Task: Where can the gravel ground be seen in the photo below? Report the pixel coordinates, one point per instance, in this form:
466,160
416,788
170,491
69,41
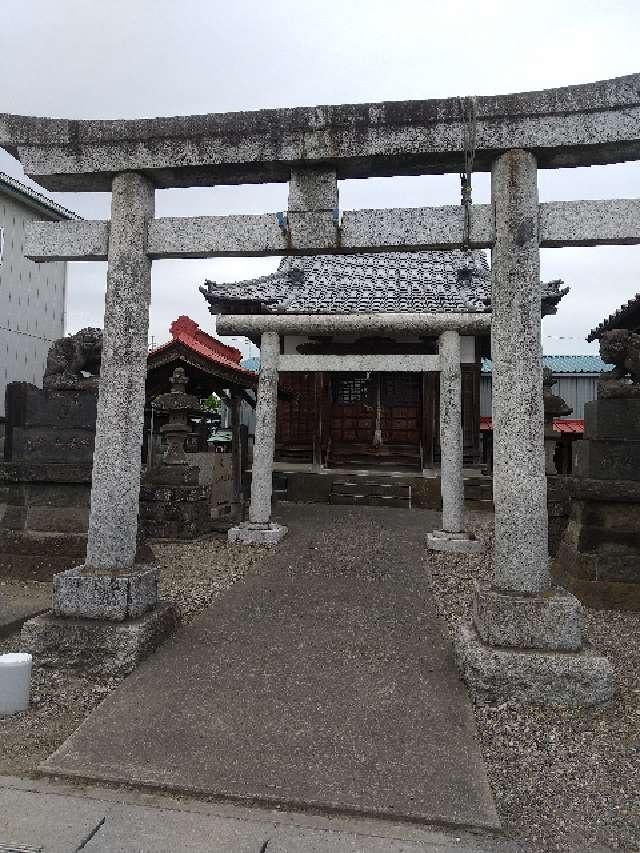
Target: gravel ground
563,779
192,575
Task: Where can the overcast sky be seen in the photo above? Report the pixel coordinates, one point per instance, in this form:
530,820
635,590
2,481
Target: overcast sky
134,58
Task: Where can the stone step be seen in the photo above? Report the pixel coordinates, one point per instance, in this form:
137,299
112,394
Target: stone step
478,489
370,462
368,487
338,499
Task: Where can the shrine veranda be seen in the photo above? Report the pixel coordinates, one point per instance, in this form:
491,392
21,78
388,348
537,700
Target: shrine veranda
526,639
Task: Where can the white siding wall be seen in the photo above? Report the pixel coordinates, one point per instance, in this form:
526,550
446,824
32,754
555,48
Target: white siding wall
576,390
32,301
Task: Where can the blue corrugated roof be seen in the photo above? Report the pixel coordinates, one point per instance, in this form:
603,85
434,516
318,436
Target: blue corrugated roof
251,364
566,364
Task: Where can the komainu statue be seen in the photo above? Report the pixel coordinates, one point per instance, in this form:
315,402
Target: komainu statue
621,348
73,363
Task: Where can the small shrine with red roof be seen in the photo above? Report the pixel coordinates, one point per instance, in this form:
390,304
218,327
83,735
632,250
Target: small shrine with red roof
210,365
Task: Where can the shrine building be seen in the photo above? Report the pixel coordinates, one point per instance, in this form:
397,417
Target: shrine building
343,417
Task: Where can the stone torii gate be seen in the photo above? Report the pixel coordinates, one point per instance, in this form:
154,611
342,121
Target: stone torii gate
448,326
526,639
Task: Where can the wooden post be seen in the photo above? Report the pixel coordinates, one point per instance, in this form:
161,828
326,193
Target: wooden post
428,404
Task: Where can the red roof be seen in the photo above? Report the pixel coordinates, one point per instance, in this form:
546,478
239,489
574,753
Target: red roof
186,331
573,425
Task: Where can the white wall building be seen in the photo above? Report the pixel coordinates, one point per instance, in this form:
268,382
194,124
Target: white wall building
32,296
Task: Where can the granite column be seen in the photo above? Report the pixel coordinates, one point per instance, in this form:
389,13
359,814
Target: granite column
452,537
115,491
236,456
106,613
259,529
525,643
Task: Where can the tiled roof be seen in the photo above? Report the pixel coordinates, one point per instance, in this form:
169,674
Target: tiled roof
626,317
366,284
565,364
33,197
186,331
568,425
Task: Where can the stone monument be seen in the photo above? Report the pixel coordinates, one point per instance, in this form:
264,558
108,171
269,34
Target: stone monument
173,504
46,472
599,556
558,501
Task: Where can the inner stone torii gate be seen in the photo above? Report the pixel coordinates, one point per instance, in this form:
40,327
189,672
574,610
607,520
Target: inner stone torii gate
526,639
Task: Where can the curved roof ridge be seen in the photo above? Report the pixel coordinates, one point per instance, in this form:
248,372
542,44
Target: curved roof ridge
366,283
620,317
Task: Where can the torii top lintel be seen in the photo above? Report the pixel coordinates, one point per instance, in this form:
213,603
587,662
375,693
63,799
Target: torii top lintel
571,126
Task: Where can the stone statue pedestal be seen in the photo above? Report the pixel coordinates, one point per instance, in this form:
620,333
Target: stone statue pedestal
46,475
599,556
173,504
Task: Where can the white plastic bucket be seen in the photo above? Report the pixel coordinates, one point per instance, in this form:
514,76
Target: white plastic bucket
15,682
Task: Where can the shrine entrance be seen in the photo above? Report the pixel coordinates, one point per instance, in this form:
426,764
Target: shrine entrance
376,420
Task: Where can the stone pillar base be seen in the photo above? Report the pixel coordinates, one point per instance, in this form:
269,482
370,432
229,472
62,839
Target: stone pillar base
460,543
532,676
101,647
112,596
549,622
252,533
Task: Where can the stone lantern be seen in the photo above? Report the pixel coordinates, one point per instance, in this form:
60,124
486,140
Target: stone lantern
174,504
179,406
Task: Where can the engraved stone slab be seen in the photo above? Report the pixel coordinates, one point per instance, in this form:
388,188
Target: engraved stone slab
105,596
617,419
607,459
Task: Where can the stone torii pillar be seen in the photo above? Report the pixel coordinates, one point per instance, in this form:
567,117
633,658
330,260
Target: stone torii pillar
260,530
115,487
520,618
115,599
453,536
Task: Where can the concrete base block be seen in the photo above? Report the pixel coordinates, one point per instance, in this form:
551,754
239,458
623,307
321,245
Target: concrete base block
100,647
249,533
550,622
459,543
532,677
105,596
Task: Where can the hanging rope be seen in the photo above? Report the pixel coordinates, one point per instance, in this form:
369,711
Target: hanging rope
468,109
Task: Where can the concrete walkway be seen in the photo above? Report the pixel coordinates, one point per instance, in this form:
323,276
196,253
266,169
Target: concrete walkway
55,818
322,682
